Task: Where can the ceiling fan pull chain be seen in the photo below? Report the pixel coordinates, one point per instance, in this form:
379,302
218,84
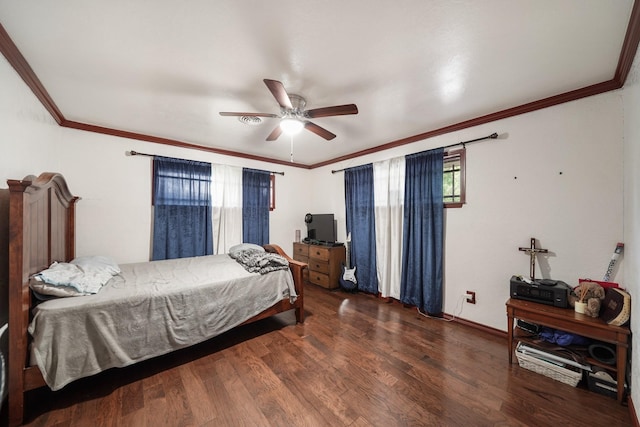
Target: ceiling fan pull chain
291,155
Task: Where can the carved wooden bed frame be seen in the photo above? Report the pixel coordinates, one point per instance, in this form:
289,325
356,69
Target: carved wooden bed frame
42,230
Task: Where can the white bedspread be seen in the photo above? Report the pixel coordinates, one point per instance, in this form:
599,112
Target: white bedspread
149,309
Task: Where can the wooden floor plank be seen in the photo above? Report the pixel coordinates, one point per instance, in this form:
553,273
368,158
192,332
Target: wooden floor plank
356,361
196,394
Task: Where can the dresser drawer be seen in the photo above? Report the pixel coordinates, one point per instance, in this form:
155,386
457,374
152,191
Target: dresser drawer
319,279
320,253
318,266
301,258
300,249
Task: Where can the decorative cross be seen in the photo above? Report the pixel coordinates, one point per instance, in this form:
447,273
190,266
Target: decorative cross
532,251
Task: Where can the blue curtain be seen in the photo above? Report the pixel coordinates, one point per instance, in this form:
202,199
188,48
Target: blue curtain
182,208
421,282
360,215
256,197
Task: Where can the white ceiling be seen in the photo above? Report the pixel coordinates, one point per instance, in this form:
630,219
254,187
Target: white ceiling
166,68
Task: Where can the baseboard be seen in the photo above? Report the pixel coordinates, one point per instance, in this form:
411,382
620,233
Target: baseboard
479,326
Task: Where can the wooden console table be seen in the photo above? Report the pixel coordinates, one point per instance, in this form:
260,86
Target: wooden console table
568,320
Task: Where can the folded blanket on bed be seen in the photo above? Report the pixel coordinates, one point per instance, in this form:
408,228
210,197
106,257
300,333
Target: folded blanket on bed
255,261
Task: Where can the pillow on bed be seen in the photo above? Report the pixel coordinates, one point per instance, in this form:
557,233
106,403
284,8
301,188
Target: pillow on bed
86,281
245,247
43,290
97,262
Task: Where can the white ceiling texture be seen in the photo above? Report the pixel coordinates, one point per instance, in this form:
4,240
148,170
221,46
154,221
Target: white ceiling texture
162,70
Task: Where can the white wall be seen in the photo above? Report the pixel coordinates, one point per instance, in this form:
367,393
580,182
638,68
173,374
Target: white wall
568,194
632,209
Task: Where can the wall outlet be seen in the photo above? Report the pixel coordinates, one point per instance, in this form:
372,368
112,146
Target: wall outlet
471,297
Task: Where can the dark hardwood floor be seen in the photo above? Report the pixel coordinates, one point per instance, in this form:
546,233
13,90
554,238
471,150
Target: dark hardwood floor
356,361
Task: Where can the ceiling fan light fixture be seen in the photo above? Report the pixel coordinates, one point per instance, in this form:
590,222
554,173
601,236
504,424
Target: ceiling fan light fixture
291,126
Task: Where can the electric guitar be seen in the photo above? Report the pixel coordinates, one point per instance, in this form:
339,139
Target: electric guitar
347,279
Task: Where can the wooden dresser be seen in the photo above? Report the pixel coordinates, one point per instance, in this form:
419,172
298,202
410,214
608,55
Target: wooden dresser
325,263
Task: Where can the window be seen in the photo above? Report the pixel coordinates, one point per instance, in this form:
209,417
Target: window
182,208
453,180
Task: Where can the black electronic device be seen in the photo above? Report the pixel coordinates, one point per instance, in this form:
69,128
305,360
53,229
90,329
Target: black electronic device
545,291
321,229
532,328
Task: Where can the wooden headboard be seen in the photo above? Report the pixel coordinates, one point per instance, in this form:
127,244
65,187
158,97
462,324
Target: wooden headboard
41,230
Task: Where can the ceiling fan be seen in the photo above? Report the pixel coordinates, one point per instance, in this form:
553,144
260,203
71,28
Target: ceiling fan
293,116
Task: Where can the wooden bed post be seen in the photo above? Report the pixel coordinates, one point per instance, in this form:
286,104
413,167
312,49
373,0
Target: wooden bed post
41,230
17,327
297,269
298,278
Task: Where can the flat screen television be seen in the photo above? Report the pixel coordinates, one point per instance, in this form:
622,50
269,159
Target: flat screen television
321,228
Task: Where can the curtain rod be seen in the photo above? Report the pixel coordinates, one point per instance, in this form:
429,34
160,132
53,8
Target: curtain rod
137,153
492,136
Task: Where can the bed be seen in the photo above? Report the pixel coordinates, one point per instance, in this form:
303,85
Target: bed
42,231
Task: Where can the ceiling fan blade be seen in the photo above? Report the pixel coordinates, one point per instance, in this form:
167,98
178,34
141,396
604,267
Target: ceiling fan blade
320,131
275,133
338,110
226,113
279,93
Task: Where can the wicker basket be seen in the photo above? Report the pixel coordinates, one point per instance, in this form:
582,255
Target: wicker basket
558,373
